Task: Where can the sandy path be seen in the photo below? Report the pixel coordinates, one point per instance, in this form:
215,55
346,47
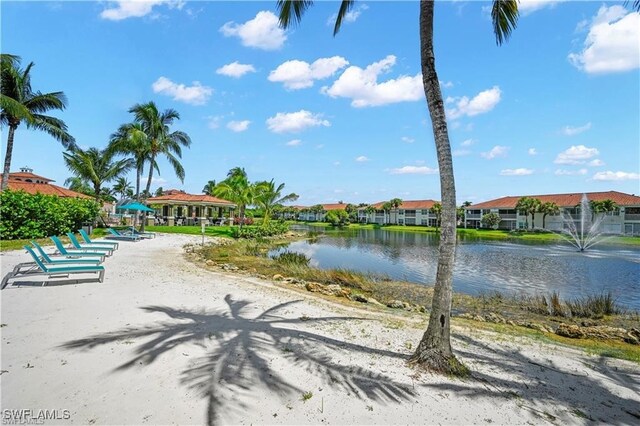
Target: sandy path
162,341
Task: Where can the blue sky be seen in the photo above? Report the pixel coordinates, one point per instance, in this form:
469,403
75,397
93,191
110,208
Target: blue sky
554,110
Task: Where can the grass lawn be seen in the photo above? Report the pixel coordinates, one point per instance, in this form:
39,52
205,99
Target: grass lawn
8,245
213,231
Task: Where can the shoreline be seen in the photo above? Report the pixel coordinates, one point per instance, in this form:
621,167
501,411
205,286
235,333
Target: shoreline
164,341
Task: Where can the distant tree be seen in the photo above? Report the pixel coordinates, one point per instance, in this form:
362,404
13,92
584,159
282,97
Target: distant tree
548,208
268,196
528,206
337,217
209,187
369,210
20,103
491,220
352,212
159,192
395,204
387,207
131,140
316,209
122,187
237,189
96,166
437,210
602,206
79,184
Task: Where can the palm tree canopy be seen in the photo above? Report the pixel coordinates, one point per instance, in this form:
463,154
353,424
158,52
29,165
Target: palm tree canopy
96,166
20,103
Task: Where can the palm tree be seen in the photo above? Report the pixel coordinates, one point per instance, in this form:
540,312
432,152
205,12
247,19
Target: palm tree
96,167
386,207
131,139
548,208
237,189
267,196
368,211
209,187
528,206
122,187
160,140
437,210
434,350
395,204
20,103
79,184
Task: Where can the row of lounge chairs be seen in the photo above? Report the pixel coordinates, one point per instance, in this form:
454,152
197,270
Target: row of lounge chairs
81,258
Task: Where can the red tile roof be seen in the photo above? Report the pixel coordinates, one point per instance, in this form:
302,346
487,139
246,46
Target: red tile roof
335,206
27,175
562,200
45,189
175,196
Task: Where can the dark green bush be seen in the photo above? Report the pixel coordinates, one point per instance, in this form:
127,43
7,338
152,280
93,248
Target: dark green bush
256,232
24,215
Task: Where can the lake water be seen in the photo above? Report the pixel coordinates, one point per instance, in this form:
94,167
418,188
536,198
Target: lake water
483,266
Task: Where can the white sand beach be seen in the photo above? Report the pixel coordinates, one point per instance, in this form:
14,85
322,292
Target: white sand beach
163,341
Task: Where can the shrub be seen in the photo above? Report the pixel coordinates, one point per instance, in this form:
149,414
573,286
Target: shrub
337,217
292,258
593,306
26,215
262,231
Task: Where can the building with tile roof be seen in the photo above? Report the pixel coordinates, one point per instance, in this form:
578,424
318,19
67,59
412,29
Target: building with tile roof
178,207
625,220
410,212
25,180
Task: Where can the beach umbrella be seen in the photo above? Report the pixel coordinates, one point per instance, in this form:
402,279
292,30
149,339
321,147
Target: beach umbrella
137,207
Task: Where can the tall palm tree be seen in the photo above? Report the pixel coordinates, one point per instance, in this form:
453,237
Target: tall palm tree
122,187
209,187
160,139
395,204
268,197
386,207
20,103
368,211
131,140
434,350
528,206
237,189
437,210
96,167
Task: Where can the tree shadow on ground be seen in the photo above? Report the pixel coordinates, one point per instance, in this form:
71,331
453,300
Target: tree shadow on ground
551,391
240,351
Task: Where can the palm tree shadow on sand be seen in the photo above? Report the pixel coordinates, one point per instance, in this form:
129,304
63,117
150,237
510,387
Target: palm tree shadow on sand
240,350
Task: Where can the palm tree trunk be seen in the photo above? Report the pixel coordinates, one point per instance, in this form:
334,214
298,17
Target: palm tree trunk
434,350
7,159
153,159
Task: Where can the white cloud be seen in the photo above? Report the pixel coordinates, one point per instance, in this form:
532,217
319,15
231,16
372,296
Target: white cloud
526,7
579,154
407,139
300,74
214,121
294,142
572,131
516,172
467,142
194,95
235,69
562,172
120,10
595,163
295,121
361,85
460,152
616,176
158,180
413,170
532,151
483,102
611,44
446,84
238,126
349,17
496,151
362,159
262,32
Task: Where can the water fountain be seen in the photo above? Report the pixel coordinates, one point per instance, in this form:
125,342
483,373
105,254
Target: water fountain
587,231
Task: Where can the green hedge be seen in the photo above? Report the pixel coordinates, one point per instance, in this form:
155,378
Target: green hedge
24,215
268,230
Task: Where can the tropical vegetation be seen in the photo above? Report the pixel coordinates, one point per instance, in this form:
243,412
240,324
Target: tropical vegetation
20,103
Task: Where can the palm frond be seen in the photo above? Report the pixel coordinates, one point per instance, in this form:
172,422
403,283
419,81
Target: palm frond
12,108
177,167
504,16
291,11
53,126
345,7
43,102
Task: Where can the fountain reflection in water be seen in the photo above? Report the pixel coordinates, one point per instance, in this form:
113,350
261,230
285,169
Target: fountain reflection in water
585,232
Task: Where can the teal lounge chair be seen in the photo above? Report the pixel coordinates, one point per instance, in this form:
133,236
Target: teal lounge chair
134,231
40,268
87,240
115,235
66,260
74,252
75,243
